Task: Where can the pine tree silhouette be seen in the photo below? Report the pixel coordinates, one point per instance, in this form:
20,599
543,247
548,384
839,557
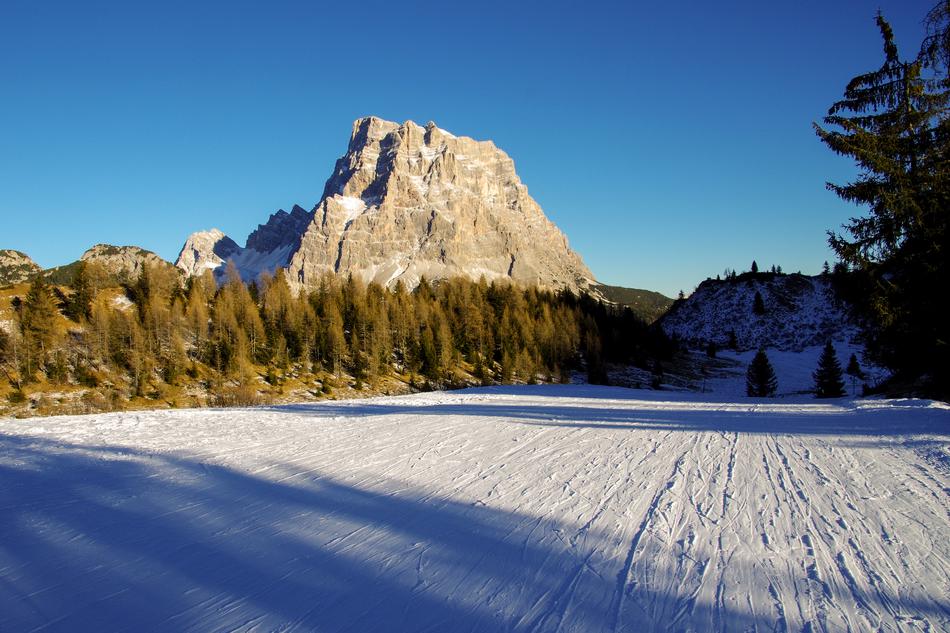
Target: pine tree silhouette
854,370
760,380
828,380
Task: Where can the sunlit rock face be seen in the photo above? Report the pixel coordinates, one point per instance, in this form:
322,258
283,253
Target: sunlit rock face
16,267
406,202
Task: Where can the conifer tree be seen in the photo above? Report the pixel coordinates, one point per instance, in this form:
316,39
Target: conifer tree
37,324
935,49
755,267
893,122
758,306
828,380
10,358
227,337
733,342
79,303
760,380
854,370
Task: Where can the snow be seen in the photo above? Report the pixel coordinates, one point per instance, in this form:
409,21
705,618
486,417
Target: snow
430,153
800,312
211,263
122,302
353,207
420,184
569,508
794,370
251,263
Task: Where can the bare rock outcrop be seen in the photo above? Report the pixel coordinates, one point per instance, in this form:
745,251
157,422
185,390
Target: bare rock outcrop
123,262
16,267
205,250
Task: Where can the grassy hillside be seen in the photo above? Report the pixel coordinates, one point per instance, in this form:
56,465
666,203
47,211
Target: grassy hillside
646,304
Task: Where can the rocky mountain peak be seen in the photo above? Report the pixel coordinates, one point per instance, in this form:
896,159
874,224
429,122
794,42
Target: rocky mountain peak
124,262
281,228
205,250
16,267
407,201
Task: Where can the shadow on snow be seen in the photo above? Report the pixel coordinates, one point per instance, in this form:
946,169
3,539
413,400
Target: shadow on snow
105,538
772,416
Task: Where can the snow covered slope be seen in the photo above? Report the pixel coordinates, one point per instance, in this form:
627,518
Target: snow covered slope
550,508
799,311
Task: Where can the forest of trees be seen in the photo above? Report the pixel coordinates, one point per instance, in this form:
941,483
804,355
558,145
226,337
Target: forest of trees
237,338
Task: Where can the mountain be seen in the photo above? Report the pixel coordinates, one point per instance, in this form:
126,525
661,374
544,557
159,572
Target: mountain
205,250
16,267
646,304
799,312
121,263
406,202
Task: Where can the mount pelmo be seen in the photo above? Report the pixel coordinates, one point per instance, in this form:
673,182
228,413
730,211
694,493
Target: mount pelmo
406,202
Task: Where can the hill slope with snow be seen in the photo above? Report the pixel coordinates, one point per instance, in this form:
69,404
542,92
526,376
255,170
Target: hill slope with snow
550,508
799,312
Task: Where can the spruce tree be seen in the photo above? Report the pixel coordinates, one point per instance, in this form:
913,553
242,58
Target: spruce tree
755,267
854,370
758,306
733,342
79,304
828,380
893,122
38,325
760,380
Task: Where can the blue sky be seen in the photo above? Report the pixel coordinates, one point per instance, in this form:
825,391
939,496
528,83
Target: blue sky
667,142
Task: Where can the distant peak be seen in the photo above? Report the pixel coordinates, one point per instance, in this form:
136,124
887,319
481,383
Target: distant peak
105,250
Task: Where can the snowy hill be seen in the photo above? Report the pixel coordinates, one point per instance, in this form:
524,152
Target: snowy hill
548,508
799,312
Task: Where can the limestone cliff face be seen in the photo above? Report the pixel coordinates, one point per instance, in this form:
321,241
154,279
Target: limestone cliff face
205,250
407,201
281,229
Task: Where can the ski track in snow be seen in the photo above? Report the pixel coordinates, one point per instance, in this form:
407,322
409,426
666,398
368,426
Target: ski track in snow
548,508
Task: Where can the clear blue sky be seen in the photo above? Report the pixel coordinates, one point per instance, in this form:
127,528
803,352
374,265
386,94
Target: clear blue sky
667,142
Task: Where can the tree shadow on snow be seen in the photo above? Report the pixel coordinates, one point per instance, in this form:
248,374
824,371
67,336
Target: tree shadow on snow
96,538
755,416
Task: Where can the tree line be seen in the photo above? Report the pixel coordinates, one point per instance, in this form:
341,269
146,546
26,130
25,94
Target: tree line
761,381
162,330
